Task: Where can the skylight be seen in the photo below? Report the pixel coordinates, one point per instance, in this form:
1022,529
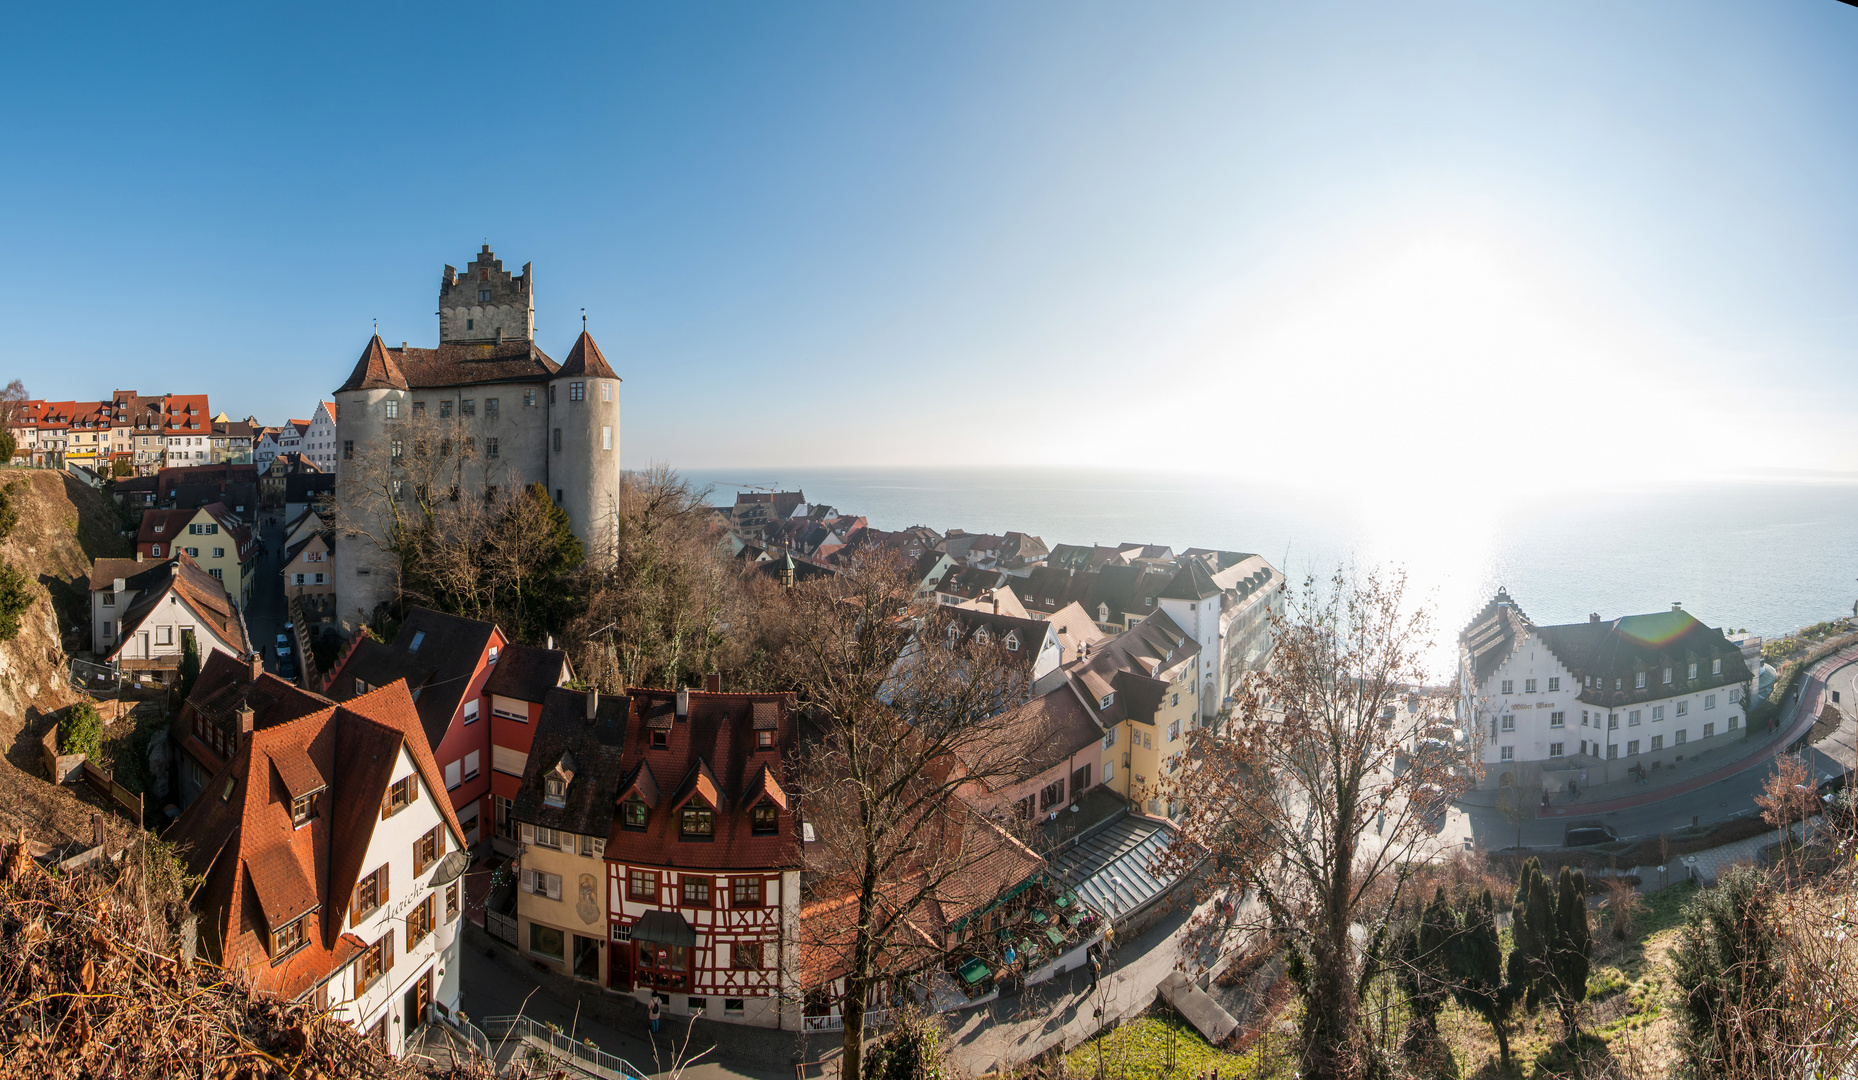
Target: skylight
418,636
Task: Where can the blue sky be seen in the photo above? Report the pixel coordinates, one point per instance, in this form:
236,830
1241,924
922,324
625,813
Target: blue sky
1345,241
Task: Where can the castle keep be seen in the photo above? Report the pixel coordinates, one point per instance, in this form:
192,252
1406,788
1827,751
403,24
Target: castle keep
488,385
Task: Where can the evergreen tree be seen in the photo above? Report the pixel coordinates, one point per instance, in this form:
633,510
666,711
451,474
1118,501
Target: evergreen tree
16,597
1475,956
1728,965
1422,965
190,664
1553,942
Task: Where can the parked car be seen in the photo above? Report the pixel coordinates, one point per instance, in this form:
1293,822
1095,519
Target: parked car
283,646
1591,832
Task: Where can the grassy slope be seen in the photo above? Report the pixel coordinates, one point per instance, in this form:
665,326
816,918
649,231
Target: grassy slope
1629,1014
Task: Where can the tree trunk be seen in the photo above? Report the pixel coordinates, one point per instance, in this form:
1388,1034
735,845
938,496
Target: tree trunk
1503,1044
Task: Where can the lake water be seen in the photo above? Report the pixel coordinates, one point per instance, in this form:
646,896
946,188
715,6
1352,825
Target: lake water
1768,557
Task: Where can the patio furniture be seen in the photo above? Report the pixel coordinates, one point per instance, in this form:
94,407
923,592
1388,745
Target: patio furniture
1039,918
1052,935
973,971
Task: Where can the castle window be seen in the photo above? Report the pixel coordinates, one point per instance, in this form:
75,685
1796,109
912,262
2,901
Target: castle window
551,395
606,438
393,410
419,409
348,449
470,324
528,397
557,446
483,296
490,408
577,391
490,448
445,409
606,391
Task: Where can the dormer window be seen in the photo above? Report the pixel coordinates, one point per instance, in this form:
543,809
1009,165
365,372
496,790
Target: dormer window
287,938
983,636
765,818
697,822
1012,642
1693,671
493,654
554,792
634,814
1103,613
764,740
661,737
304,808
1106,700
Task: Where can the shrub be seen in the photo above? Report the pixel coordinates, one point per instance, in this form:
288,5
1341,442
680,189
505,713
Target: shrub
911,1050
16,597
1728,966
80,730
9,507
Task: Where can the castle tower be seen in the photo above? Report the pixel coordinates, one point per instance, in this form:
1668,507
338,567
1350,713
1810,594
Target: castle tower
583,448
486,302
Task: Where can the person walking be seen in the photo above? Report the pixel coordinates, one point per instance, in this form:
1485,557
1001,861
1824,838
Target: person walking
651,1012
1096,970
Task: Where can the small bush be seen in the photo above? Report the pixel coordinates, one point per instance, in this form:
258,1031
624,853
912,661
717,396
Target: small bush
15,599
9,507
80,730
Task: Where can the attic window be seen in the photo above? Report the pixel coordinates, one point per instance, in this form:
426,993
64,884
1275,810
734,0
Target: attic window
305,807
286,939
1106,700
634,814
698,822
418,636
661,737
765,818
493,654
764,740
1012,643
554,791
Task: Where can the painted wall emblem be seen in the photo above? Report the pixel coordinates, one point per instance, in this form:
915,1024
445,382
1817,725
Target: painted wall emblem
586,908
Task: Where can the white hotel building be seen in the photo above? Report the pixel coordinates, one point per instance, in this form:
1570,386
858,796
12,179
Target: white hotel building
1594,702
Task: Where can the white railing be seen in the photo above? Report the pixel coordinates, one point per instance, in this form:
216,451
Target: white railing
873,1018
581,1053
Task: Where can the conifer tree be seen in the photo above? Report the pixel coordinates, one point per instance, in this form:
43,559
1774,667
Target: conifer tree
1423,966
1553,942
1476,963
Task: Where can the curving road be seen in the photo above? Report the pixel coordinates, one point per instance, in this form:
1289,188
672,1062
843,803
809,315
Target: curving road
1726,793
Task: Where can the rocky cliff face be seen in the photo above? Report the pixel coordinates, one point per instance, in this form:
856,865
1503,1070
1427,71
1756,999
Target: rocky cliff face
63,526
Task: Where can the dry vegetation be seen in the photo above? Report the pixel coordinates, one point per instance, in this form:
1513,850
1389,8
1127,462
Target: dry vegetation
92,987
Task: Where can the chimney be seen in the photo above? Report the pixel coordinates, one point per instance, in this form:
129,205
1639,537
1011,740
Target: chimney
996,602
1084,651
1594,617
245,725
683,702
138,554
1677,605
593,703
713,682
551,642
257,662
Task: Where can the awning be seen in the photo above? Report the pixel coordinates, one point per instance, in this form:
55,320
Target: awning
451,868
664,927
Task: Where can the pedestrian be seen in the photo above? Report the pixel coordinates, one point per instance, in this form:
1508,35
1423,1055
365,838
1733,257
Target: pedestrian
1096,970
651,1011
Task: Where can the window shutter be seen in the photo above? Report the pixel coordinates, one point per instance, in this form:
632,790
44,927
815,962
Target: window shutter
529,881
554,886
528,833
412,788
387,953
387,802
386,894
599,846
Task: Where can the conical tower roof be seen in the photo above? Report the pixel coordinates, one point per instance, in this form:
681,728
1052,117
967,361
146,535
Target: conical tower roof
376,370
586,361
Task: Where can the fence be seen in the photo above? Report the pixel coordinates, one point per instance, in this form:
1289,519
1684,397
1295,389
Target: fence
581,1054
500,926
105,784
874,1019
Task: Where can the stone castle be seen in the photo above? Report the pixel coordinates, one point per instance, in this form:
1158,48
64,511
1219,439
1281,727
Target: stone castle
527,419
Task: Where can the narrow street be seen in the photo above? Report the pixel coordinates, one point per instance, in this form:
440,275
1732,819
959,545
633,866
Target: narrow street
266,614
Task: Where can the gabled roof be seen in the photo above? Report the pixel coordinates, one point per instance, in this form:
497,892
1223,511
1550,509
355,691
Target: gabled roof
437,655
586,360
528,672
713,751
1490,637
596,746
161,526
1191,582
1621,648
203,594
451,364
261,871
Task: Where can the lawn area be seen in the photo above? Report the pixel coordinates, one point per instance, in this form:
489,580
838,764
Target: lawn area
1138,1050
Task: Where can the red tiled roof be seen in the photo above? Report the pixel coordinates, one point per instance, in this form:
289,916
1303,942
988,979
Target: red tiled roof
712,752
586,359
451,364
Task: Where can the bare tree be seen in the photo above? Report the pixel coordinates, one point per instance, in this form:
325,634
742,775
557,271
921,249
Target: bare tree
669,604
1311,802
1788,796
909,717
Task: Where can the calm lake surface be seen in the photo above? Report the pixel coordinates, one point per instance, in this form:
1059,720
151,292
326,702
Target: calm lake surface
1768,557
